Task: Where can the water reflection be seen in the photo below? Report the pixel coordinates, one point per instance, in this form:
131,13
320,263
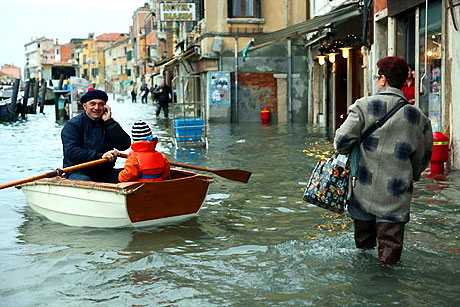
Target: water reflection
66,240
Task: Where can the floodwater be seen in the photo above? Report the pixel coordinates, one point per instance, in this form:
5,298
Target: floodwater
251,244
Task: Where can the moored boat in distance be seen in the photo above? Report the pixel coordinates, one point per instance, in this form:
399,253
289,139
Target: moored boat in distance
6,111
129,204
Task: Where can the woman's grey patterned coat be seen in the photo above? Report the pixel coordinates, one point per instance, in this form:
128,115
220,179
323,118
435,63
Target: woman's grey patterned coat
390,158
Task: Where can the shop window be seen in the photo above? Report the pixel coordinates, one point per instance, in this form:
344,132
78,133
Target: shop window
405,41
430,91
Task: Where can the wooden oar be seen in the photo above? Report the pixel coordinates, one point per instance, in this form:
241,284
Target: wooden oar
54,173
231,174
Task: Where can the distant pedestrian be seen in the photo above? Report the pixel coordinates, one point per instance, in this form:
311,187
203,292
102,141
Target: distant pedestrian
409,86
391,159
133,94
144,93
163,93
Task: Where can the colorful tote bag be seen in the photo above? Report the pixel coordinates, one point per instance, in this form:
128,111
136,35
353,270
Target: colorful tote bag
328,184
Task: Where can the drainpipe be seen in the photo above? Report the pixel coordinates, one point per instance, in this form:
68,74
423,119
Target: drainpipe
310,84
287,13
235,118
417,58
289,81
426,45
365,22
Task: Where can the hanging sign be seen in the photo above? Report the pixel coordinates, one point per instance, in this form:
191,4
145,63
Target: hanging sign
177,12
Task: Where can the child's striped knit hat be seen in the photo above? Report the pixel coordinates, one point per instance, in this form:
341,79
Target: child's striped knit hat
140,130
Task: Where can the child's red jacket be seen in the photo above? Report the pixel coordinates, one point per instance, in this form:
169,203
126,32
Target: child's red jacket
145,164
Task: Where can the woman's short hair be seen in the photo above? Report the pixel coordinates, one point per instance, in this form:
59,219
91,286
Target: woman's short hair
395,70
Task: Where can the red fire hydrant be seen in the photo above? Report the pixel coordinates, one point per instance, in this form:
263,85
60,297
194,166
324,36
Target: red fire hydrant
440,153
265,115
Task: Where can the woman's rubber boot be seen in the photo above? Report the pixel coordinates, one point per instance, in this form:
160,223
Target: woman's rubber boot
365,234
390,237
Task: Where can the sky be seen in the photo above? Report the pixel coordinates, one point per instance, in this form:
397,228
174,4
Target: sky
24,20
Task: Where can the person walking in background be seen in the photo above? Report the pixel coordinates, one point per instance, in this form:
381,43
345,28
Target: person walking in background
133,93
144,93
152,89
93,135
144,163
409,86
391,159
163,93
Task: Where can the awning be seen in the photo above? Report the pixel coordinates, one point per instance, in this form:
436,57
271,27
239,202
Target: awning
336,16
161,62
172,60
396,7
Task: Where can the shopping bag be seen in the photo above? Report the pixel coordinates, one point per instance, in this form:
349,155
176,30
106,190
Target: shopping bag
328,184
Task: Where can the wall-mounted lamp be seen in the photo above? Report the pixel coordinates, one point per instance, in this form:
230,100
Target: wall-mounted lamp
322,55
332,56
345,51
321,59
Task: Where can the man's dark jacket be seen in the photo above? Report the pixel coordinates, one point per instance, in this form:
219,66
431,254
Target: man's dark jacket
85,139
163,96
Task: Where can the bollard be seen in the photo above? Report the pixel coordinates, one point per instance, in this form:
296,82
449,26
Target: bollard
25,98
61,81
265,115
36,89
42,102
440,153
13,106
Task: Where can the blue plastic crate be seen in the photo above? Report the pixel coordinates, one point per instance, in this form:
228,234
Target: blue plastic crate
190,129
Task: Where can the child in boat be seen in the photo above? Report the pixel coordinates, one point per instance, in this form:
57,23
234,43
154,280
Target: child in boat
144,163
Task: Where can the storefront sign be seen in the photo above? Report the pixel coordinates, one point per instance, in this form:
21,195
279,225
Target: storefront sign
177,12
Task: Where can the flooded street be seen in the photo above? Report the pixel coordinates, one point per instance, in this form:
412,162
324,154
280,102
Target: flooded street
252,244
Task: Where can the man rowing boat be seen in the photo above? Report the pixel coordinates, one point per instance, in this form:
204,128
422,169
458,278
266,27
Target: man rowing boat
92,135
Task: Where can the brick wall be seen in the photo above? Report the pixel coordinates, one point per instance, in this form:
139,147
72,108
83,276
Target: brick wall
256,90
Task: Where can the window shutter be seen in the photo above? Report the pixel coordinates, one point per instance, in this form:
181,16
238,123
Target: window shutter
258,10
229,8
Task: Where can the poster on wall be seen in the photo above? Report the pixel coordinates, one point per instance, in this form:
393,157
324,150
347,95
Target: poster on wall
219,87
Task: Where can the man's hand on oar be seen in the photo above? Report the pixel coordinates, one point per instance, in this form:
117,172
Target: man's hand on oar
111,155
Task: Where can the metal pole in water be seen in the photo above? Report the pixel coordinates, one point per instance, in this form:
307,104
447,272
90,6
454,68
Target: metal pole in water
42,102
289,47
235,118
